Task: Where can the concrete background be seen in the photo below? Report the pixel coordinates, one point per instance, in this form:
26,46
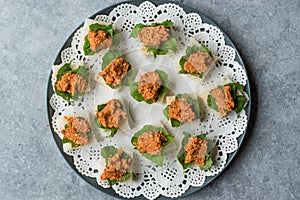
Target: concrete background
267,34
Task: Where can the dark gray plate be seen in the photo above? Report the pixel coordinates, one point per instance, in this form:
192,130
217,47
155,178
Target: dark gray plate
50,91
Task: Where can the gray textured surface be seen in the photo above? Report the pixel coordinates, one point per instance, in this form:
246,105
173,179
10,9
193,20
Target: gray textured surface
266,33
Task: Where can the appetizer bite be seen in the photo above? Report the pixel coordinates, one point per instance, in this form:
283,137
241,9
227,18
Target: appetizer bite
196,150
115,70
99,37
110,116
198,60
156,37
182,109
118,165
71,81
150,141
227,98
151,87
76,131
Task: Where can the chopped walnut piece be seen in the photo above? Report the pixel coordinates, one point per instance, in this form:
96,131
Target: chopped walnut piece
114,73
77,130
154,36
111,115
181,110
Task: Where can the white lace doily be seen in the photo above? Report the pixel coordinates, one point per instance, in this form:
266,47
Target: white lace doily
150,180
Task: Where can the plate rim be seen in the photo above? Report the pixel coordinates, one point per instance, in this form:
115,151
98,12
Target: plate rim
205,19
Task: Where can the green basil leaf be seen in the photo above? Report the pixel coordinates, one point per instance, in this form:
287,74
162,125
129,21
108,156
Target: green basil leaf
211,102
237,85
65,140
203,48
65,95
194,49
175,123
181,160
63,70
125,80
190,50
171,45
157,51
86,47
81,71
107,28
166,112
108,57
167,23
240,103
208,163
202,136
97,27
113,132
158,159
66,126
165,83
126,176
109,151
100,107
182,61
111,183
182,71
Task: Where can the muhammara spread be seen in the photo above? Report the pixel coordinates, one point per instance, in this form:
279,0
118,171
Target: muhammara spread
117,167
150,142
198,62
99,40
149,85
181,110
111,115
154,36
196,149
77,130
223,99
71,83
114,73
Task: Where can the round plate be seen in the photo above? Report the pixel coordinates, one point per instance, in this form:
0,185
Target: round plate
50,91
